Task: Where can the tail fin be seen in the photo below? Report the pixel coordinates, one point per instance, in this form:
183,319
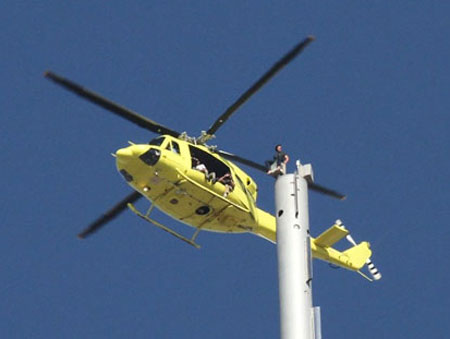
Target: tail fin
376,275
358,255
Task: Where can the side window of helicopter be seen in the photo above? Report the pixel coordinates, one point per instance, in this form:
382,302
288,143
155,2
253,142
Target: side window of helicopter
157,141
175,147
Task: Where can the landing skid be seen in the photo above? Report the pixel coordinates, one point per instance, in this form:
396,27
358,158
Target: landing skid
190,241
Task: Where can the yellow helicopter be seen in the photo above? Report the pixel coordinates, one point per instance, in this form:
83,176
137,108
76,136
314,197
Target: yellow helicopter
201,185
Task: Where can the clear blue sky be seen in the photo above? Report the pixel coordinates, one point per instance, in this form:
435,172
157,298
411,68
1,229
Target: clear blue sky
367,104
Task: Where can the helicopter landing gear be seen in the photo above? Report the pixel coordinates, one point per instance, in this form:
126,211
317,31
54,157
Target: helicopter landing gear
165,228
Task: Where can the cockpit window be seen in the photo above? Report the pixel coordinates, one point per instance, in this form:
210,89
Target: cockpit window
157,141
175,147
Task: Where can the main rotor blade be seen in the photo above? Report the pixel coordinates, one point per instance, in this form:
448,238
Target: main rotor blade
244,161
110,105
258,84
326,191
110,215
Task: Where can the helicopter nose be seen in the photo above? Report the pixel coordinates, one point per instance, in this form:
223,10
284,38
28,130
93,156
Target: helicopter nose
141,153
125,152
124,155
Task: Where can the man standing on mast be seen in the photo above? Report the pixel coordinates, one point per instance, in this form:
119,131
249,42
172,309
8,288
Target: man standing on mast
277,166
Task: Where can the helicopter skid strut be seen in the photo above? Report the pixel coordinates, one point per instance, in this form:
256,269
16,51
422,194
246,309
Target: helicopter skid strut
146,217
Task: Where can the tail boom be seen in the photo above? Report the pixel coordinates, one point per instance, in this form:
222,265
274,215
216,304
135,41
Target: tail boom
352,259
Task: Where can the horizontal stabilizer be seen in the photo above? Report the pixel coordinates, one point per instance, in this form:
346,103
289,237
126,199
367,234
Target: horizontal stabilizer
331,236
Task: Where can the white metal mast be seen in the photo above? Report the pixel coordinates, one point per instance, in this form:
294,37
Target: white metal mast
294,256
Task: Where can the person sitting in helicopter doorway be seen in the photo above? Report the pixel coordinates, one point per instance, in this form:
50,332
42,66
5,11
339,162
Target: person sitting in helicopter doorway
277,166
228,182
197,165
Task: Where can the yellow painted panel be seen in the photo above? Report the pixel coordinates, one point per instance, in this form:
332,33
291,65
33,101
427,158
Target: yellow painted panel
331,236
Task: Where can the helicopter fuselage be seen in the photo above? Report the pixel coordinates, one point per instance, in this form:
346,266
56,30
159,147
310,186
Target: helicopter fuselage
163,171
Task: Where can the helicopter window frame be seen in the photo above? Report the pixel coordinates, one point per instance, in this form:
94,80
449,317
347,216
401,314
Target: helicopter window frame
245,188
